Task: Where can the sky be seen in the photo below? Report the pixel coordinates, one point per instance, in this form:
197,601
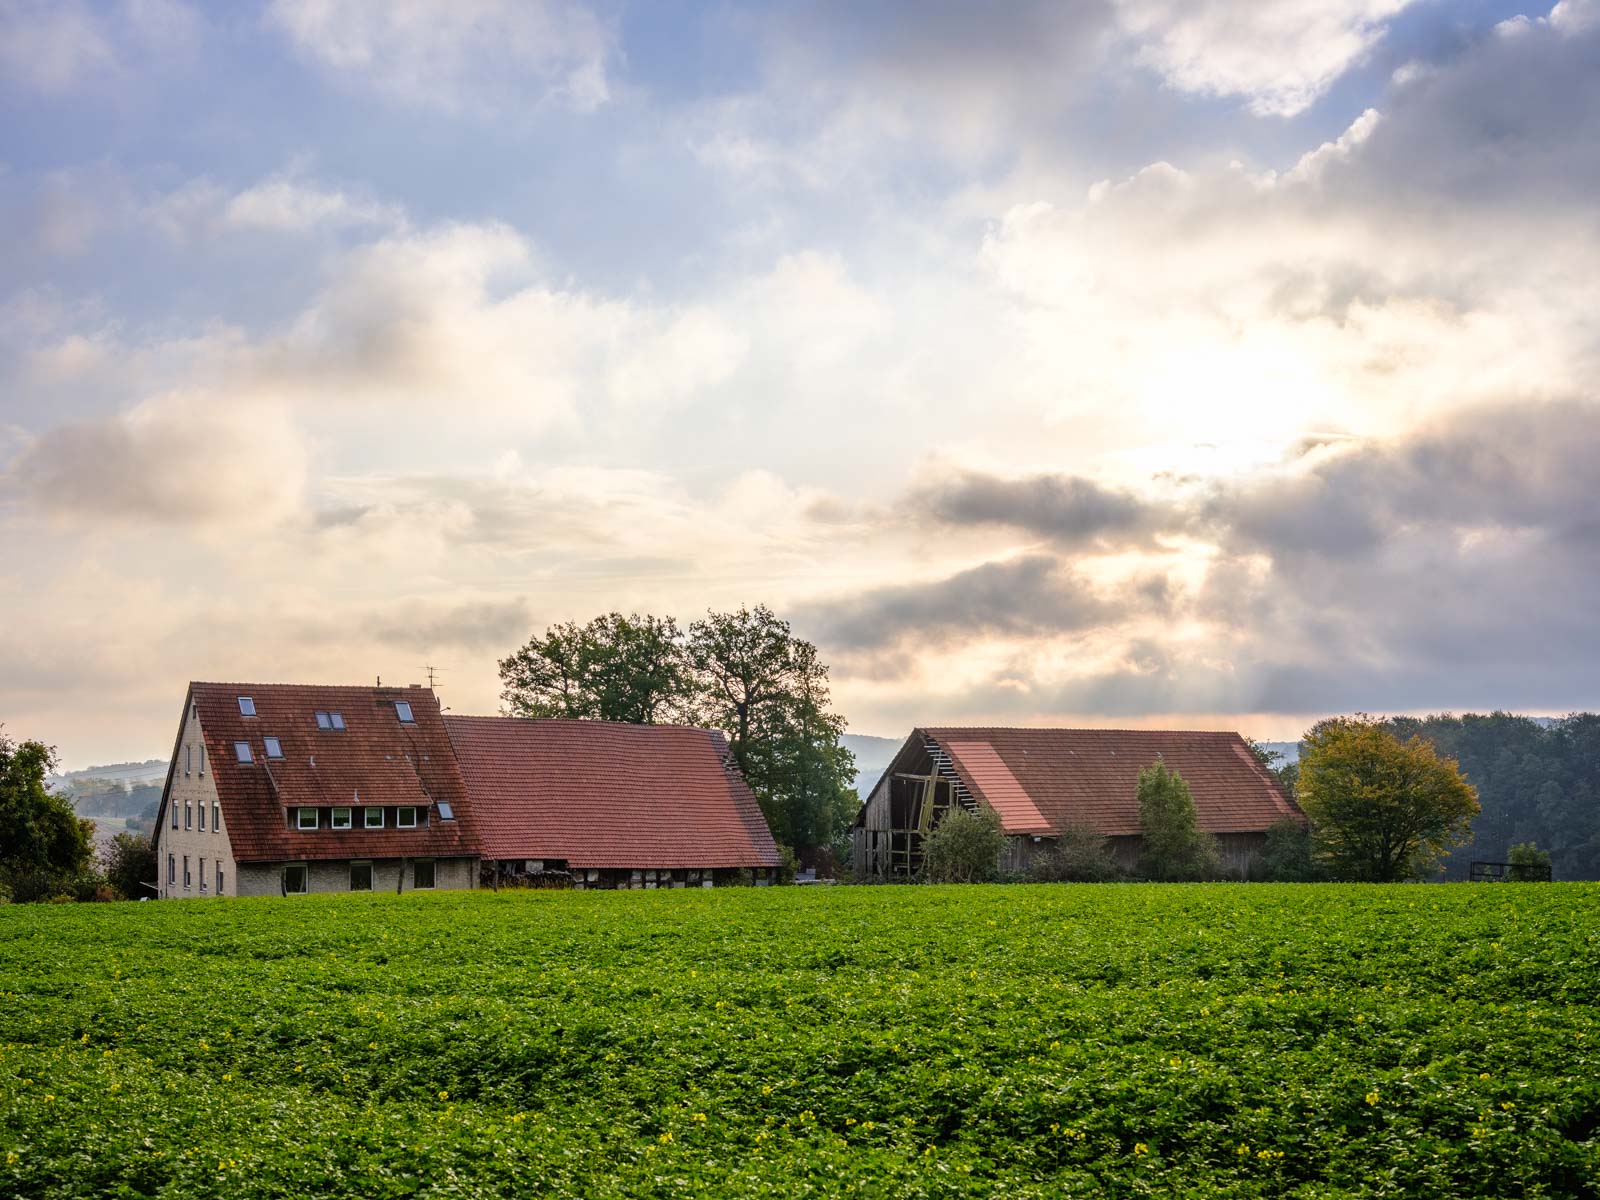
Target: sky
1154,363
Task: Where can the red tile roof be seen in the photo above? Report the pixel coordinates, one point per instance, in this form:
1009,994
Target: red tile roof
604,794
374,759
1090,776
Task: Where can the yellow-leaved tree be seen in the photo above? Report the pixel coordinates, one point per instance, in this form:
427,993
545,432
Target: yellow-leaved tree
1381,810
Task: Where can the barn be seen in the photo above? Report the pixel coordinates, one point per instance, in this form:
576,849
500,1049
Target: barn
1043,781
609,805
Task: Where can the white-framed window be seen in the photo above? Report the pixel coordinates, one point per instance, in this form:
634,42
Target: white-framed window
341,818
274,747
372,817
202,758
296,879
188,815
305,818
360,877
172,869
187,880
202,807
405,818
446,813
188,758
216,817
202,872
422,874
402,709
241,751
219,877
247,706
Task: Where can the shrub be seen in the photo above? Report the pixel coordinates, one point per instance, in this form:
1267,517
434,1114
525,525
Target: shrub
1080,855
1529,864
1287,858
129,861
1175,847
964,848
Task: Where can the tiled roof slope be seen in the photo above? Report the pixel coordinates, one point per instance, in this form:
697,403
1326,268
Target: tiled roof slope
1090,776
604,794
374,759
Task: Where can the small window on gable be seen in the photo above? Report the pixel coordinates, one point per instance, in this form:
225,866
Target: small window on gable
241,751
174,814
202,807
402,709
274,747
323,721
219,878
306,818
372,817
446,813
188,759
216,817
247,706
202,758
341,818
188,815
337,719
405,818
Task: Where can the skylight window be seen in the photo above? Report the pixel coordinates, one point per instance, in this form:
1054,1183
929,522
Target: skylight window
446,813
337,719
330,720
402,708
241,751
247,706
274,747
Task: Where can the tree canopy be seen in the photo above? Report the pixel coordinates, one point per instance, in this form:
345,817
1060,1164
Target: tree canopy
40,834
743,672
965,847
1382,810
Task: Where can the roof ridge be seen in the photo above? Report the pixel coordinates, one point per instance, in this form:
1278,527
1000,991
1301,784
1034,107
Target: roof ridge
1068,729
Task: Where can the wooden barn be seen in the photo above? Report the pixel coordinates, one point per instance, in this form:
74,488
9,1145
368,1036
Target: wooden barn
1042,781
610,805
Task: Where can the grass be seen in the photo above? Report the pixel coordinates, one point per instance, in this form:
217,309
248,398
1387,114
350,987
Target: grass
1120,1040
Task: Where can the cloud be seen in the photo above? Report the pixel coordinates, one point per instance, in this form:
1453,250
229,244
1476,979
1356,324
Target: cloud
469,54
1023,597
1279,57
488,626
55,46
180,458
1067,509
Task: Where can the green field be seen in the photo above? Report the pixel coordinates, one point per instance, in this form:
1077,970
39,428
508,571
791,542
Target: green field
915,1041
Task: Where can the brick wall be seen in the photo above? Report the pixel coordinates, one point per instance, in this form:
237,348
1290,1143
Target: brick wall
194,788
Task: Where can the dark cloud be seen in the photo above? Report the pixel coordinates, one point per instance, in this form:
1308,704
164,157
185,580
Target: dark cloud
1067,509
1036,595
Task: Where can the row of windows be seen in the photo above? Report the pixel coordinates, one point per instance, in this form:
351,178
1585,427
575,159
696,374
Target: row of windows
188,758
188,879
188,815
297,877
329,719
372,817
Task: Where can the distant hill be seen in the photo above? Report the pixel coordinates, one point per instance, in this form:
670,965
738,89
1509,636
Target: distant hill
873,754
151,770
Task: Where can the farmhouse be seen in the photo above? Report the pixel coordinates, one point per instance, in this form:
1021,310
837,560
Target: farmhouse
1042,781
610,804
285,789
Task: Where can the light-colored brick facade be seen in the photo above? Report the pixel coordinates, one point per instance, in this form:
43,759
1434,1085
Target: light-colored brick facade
450,874
192,799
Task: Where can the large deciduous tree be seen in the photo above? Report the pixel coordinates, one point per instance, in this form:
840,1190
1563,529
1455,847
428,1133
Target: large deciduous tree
1382,810
769,691
615,668
40,834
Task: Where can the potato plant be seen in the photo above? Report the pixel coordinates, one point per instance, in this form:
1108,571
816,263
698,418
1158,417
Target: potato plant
1085,1040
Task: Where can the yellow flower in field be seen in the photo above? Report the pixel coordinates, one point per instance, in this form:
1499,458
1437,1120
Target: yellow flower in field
84,1039
1140,1148
228,1077
1372,1098
665,1138
766,1089
1507,1105
298,1068
699,1118
49,1098
444,1095
1244,1151
519,1117
1176,1062
1483,1075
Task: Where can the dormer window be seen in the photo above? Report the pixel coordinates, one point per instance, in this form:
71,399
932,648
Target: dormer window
274,747
306,818
241,751
402,709
405,818
341,818
373,817
247,706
